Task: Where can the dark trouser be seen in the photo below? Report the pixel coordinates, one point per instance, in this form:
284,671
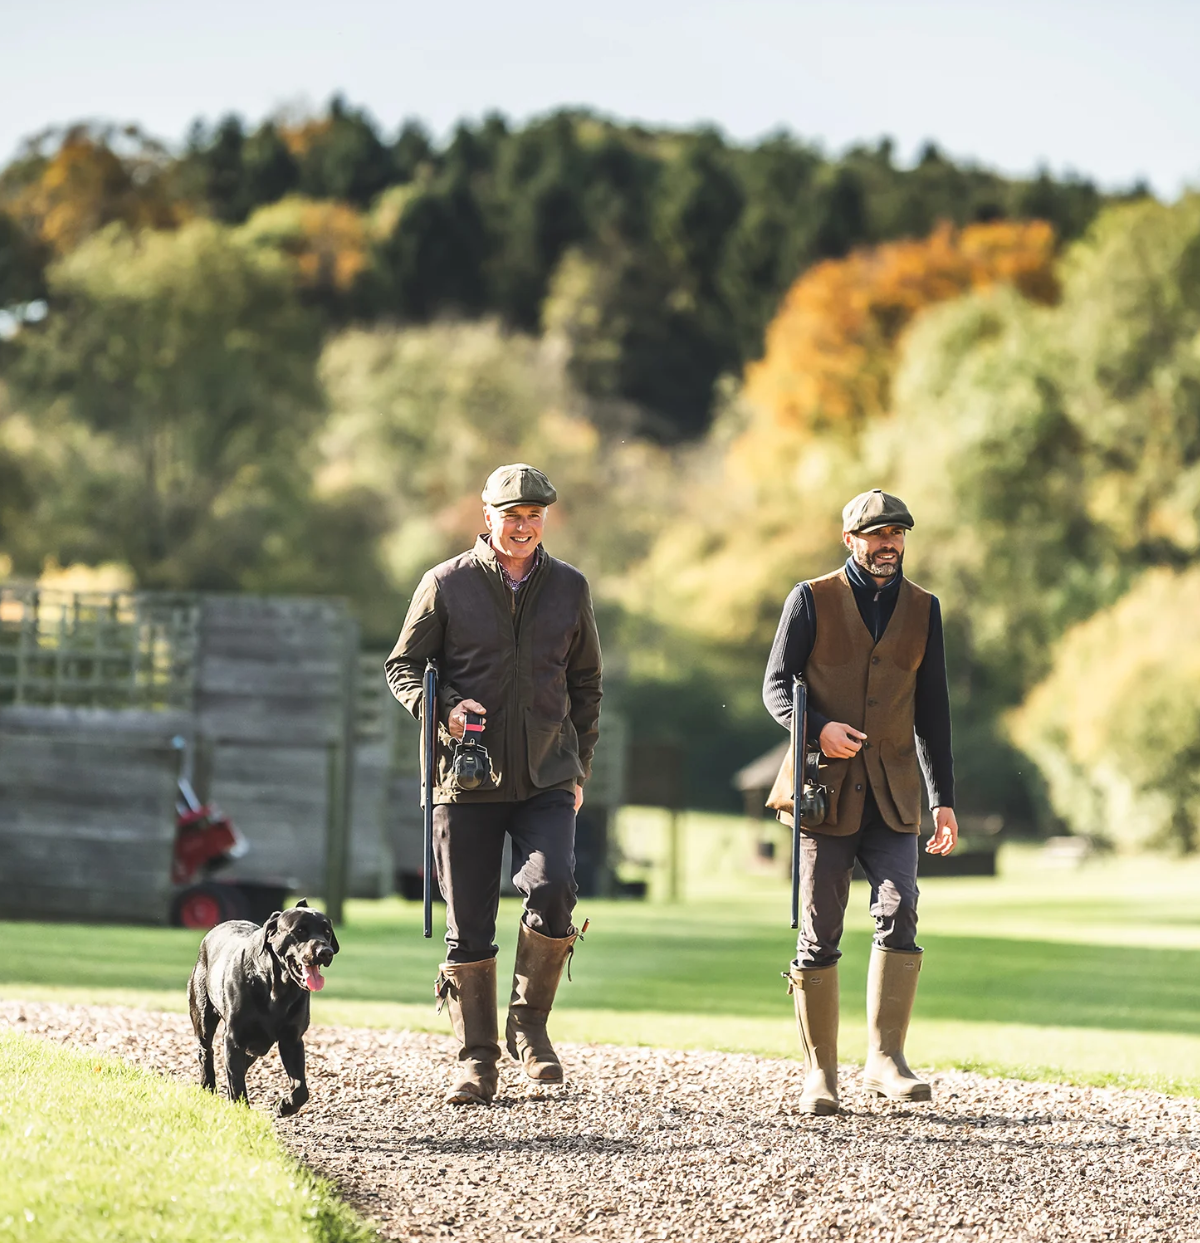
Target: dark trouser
468,843
889,860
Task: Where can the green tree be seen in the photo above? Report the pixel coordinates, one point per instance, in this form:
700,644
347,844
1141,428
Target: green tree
187,357
773,239
433,259
269,169
233,172
1130,319
22,264
1115,726
219,163
841,215
411,152
537,212
420,416
341,156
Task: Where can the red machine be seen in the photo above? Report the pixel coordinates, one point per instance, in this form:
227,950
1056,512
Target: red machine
205,840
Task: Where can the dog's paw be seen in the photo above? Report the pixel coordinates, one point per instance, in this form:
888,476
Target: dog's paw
288,1106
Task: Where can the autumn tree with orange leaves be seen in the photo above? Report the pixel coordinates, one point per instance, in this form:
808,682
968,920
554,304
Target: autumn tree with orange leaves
327,244
91,179
830,349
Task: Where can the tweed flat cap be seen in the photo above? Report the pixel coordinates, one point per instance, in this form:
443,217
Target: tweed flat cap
871,511
518,484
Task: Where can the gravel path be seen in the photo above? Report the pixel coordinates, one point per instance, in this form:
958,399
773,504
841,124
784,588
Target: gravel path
650,1144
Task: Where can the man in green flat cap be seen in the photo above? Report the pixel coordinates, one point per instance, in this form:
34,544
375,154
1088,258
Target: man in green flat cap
869,644
514,635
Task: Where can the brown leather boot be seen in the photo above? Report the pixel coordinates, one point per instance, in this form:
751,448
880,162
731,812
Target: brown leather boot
891,991
815,991
539,967
469,989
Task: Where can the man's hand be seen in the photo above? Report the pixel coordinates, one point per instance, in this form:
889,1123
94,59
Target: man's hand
840,741
945,832
457,724
578,796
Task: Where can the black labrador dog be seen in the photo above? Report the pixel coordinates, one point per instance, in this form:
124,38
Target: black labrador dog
259,980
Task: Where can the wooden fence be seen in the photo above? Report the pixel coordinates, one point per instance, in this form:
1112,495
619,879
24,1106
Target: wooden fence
97,649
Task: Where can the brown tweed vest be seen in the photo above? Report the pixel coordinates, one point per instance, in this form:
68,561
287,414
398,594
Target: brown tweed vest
872,687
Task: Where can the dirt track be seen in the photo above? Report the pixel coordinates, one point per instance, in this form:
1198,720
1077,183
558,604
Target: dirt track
651,1144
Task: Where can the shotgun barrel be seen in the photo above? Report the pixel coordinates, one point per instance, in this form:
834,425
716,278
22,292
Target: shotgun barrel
428,769
799,746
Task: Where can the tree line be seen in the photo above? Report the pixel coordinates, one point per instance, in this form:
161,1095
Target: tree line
657,256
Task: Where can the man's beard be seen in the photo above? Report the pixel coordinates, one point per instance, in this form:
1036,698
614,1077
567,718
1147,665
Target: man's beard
886,569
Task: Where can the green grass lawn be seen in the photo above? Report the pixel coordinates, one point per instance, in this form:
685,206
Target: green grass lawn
1090,975
96,1150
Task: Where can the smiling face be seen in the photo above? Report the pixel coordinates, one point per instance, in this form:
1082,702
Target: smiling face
515,532
303,941
880,552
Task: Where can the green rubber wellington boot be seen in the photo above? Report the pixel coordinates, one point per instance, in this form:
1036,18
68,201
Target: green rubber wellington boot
469,989
815,992
891,990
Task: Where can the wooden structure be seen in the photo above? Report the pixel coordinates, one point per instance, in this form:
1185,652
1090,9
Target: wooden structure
105,697
274,708
87,812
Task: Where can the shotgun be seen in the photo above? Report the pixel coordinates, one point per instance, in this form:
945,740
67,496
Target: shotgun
810,799
799,751
429,721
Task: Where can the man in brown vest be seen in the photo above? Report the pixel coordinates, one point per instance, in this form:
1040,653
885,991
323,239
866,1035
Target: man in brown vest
514,634
869,644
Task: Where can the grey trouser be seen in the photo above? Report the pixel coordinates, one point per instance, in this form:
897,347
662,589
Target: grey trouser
468,844
889,860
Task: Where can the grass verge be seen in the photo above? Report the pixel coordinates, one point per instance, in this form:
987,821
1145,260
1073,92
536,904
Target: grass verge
98,1151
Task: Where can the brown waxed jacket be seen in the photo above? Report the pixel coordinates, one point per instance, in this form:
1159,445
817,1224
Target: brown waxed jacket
872,687
532,658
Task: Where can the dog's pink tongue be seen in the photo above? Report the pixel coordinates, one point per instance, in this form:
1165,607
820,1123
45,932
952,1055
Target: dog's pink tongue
314,981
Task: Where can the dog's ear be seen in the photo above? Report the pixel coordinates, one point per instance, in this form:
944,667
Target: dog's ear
303,902
270,928
333,945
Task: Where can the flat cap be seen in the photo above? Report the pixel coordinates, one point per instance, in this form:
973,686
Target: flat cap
871,511
518,484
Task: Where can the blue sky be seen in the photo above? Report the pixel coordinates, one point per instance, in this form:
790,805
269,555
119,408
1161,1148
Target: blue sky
1109,90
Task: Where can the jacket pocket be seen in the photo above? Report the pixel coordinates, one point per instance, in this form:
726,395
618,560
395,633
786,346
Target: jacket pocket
903,779
553,751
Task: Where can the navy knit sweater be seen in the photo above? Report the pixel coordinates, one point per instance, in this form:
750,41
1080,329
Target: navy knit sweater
794,644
